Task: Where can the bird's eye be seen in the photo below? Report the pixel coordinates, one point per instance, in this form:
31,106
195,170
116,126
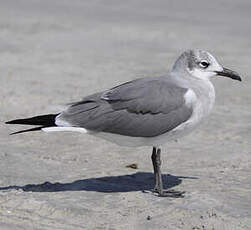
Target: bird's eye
204,64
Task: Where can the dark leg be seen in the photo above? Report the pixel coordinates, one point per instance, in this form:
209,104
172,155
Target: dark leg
158,179
156,168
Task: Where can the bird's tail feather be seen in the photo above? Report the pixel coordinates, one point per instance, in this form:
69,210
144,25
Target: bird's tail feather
43,121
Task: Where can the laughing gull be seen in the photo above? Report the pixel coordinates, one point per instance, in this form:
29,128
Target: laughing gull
145,112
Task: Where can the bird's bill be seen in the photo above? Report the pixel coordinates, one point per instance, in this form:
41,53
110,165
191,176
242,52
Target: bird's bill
229,73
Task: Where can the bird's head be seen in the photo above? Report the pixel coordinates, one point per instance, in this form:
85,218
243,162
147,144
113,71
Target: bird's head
202,65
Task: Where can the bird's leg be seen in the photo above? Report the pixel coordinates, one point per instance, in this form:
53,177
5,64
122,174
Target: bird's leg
157,170
154,161
158,178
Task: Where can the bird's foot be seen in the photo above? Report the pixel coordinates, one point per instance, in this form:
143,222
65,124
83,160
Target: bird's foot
169,193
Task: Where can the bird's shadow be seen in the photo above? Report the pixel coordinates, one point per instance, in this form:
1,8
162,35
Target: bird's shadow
140,181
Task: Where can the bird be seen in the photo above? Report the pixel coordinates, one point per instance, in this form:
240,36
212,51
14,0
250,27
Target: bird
149,111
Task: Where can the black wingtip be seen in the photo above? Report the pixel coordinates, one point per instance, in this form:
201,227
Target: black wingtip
42,120
12,122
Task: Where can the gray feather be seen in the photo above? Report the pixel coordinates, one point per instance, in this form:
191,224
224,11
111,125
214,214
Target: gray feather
144,107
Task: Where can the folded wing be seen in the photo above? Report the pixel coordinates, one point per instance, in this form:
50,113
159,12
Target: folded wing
145,107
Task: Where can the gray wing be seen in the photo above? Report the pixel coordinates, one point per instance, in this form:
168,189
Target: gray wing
145,107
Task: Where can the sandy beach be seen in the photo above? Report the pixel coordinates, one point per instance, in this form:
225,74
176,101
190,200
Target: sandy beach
56,52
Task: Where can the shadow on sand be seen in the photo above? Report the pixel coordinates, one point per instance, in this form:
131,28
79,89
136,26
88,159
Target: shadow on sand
139,181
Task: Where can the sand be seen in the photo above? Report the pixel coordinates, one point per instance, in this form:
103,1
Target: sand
55,52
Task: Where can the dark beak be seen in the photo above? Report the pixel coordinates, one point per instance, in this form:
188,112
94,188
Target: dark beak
229,73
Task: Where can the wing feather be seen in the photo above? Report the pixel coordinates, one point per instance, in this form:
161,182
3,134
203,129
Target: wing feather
145,107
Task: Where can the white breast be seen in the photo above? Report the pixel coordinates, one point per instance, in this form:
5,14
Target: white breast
202,100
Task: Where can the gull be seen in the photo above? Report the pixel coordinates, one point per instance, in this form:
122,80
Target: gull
148,111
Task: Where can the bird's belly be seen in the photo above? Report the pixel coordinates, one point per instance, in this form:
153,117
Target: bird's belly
145,141
129,141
